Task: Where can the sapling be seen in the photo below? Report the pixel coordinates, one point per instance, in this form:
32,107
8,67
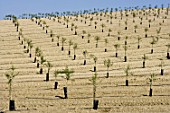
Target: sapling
106,42
97,38
144,59
127,71
108,64
56,75
126,40
63,40
84,32
125,57
139,40
151,82
75,29
28,43
10,76
95,102
75,47
51,33
72,25
70,44
110,30
118,38
168,56
161,65
30,46
126,25
95,61
116,47
135,27
38,53
85,54
89,35
42,61
95,24
68,73
146,30
58,37
154,41
103,25
49,66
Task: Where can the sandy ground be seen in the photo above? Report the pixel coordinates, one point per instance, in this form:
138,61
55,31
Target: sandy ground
32,94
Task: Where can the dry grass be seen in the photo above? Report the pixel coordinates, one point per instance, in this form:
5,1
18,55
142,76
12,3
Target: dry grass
33,94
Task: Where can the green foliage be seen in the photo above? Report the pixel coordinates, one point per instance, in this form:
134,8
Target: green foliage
43,60
144,57
67,72
152,77
10,75
93,80
108,63
38,52
127,71
49,66
56,74
106,41
85,53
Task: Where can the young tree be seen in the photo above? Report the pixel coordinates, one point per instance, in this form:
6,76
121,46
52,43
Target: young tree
85,54
95,102
151,82
168,46
30,47
95,24
146,30
42,63
110,30
95,61
126,25
10,76
49,66
70,44
144,59
108,64
75,47
55,75
154,41
139,40
118,38
103,25
51,33
127,72
106,42
116,47
46,31
125,57
38,53
29,42
161,65
68,73
63,40
89,35
149,23
58,37
126,40
135,27
75,30
84,32
97,38
67,20
72,25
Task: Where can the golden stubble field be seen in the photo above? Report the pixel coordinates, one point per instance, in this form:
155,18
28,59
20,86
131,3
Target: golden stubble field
32,94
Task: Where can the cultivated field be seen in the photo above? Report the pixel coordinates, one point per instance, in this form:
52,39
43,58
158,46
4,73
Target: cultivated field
33,94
